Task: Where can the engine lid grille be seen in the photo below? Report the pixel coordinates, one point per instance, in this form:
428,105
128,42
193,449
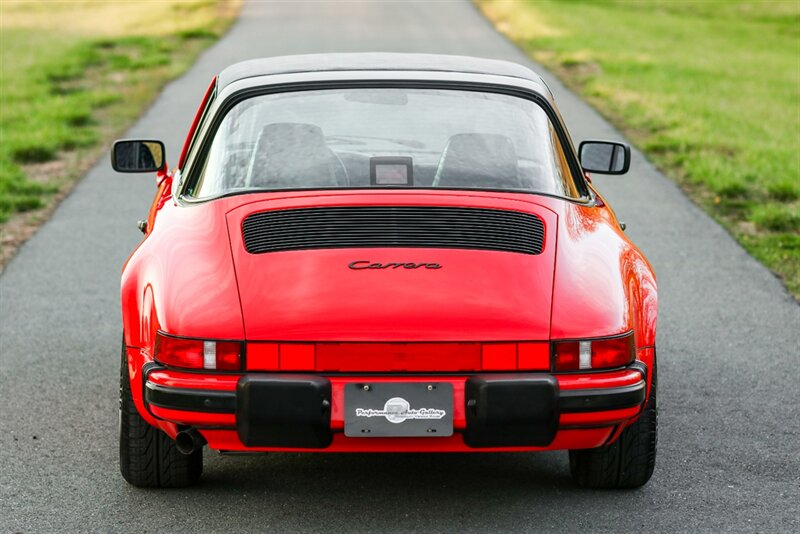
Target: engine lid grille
393,226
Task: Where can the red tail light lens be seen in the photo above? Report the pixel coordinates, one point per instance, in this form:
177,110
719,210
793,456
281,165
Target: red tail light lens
606,353
228,355
198,353
567,355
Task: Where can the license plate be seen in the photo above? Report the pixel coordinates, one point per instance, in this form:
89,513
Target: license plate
398,409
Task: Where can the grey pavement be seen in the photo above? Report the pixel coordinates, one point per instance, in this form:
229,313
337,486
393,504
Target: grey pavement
728,342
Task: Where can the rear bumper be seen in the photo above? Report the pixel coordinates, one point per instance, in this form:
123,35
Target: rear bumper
570,401
586,410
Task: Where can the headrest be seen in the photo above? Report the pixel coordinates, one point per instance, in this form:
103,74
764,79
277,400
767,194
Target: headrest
476,160
289,154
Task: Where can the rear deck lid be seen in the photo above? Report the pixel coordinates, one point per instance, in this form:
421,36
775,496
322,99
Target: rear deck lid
400,267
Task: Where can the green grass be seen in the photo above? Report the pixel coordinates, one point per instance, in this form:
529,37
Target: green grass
74,74
710,90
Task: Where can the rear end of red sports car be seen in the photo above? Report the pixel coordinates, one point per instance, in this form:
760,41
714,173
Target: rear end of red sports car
350,258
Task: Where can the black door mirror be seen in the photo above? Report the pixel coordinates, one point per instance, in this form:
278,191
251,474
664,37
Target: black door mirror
605,157
134,155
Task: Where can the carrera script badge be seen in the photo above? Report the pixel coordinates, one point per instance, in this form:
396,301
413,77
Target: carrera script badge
397,409
359,265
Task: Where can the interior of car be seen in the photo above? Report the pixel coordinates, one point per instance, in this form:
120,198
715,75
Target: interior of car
286,154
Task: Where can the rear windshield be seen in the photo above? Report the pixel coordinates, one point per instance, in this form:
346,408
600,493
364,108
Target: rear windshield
385,138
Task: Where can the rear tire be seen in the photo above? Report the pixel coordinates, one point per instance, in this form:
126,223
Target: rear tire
148,457
626,463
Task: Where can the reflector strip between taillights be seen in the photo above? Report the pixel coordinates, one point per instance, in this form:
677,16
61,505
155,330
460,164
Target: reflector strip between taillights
297,357
398,357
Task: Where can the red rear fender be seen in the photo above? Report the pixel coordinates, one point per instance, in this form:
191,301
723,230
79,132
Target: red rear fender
181,280
603,284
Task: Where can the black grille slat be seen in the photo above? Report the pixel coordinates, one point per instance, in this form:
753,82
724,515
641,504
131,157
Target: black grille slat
393,226
291,236
380,239
334,228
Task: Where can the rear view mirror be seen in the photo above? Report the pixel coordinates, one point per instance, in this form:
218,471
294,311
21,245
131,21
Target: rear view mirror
605,157
133,155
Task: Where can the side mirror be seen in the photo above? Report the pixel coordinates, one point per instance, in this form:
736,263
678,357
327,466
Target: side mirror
134,155
605,157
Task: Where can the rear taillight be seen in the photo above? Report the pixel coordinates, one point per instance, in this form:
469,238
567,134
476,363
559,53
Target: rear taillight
198,353
606,353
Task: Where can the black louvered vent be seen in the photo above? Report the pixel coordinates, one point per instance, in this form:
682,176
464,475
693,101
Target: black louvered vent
393,226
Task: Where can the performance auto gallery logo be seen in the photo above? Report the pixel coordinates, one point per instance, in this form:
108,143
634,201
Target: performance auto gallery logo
397,409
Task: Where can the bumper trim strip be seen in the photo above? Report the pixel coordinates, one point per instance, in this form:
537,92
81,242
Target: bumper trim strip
190,400
224,402
598,400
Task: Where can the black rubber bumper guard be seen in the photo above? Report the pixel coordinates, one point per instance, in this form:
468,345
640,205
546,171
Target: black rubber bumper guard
283,410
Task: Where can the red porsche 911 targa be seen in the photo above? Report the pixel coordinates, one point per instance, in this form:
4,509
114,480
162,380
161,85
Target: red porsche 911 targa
384,253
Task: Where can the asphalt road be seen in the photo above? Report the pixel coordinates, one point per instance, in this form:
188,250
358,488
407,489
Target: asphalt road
729,348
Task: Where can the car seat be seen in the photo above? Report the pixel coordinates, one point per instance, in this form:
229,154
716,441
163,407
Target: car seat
293,155
478,160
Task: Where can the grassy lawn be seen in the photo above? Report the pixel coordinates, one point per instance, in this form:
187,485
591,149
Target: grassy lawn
710,90
75,74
